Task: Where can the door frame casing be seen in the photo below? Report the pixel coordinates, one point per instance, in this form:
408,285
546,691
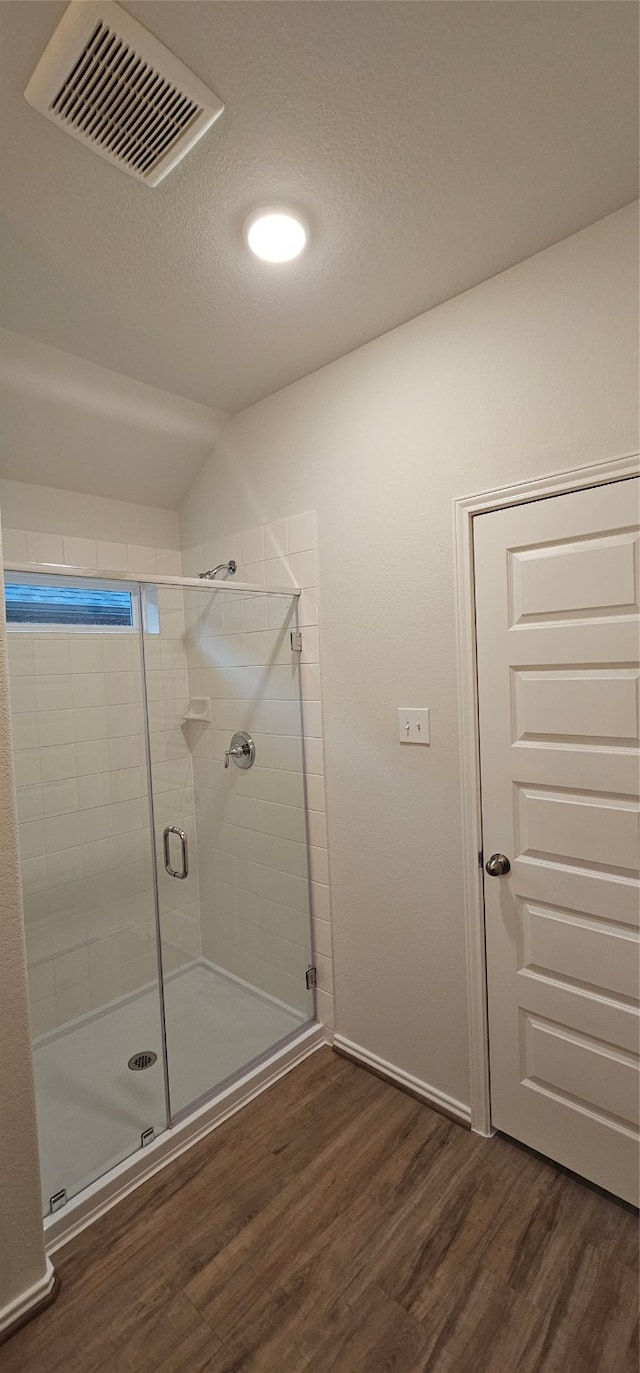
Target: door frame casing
465,509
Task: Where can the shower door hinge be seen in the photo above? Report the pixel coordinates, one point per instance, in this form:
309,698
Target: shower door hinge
311,977
58,1200
147,1137
296,641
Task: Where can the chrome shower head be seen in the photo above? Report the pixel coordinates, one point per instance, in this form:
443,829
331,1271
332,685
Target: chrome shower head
229,567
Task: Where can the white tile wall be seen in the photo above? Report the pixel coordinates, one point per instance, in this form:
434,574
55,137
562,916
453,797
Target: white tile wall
80,768
82,795
251,825
256,923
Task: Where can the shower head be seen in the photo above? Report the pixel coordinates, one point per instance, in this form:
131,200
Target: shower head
229,567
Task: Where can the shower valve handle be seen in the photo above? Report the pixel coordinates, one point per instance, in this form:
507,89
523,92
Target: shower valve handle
242,749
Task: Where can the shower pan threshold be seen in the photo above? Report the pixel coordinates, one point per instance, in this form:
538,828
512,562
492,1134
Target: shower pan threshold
293,1039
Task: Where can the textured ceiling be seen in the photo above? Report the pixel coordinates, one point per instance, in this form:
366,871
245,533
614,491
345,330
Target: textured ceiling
430,145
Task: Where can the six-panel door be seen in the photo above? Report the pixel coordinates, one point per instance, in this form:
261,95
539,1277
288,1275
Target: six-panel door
558,673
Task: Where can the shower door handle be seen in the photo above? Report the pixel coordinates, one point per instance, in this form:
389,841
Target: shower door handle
172,829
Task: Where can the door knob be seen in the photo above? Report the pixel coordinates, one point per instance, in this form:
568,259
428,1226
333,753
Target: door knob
498,865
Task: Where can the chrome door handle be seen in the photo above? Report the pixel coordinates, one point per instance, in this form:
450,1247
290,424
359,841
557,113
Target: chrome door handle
498,865
172,829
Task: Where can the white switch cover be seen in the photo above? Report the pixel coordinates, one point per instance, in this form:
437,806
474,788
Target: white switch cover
413,725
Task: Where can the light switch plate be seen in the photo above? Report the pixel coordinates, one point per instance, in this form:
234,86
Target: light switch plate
413,725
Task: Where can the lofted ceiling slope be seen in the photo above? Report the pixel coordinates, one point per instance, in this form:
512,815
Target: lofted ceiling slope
67,423
430,145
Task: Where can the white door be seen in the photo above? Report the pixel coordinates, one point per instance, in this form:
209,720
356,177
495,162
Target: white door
558,676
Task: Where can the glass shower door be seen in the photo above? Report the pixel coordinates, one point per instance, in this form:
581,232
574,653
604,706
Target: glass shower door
228,789
76,688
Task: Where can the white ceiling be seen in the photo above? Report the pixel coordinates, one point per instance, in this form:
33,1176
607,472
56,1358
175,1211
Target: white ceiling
430,145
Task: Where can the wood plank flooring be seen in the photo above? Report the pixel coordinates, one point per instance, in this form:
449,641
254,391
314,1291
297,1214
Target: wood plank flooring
337,1225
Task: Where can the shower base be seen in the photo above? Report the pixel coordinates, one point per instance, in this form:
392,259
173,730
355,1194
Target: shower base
92,1109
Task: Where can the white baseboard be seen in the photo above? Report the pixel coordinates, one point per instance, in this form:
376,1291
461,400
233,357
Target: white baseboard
432,1096
100,1196
27,1301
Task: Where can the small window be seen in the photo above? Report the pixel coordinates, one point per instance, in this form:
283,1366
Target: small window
29,603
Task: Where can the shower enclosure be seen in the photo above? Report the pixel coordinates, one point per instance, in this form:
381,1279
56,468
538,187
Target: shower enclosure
161,795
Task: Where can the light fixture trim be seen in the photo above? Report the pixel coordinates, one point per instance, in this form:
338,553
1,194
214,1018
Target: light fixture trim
273,242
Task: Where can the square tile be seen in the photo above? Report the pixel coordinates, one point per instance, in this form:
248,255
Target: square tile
85,652
62,832
51,654
303,569
277,573
320,901
252,546
317,829
44,548
28,767
80,552
253,573
32,839
230,547
308,607
276,539
141,559
92,756
318,865
14,545
168,562
72,1001
112,557
71,967
325,1008
315,791
60,797
302,532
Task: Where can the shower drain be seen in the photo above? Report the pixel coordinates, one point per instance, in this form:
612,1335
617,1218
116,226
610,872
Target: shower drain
145,1059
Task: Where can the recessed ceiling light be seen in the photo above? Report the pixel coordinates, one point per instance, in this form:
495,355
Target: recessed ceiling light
275,234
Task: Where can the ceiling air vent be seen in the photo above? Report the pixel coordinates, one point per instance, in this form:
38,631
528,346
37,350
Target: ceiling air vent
107,81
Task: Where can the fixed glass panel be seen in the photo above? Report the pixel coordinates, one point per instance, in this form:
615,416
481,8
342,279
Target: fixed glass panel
234,917
88,885
28,603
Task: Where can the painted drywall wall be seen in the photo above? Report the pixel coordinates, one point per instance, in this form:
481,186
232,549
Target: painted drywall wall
532,372
89,429
47,510
22,1259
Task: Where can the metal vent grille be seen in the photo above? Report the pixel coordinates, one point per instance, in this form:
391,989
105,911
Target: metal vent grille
108,82
115,98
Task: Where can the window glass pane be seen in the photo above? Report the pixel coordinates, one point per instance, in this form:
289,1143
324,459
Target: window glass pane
73,605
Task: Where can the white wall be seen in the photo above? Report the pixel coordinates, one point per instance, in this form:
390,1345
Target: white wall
529,373
93,430
47,510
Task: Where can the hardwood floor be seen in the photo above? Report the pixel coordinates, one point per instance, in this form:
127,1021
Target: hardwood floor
337,1225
